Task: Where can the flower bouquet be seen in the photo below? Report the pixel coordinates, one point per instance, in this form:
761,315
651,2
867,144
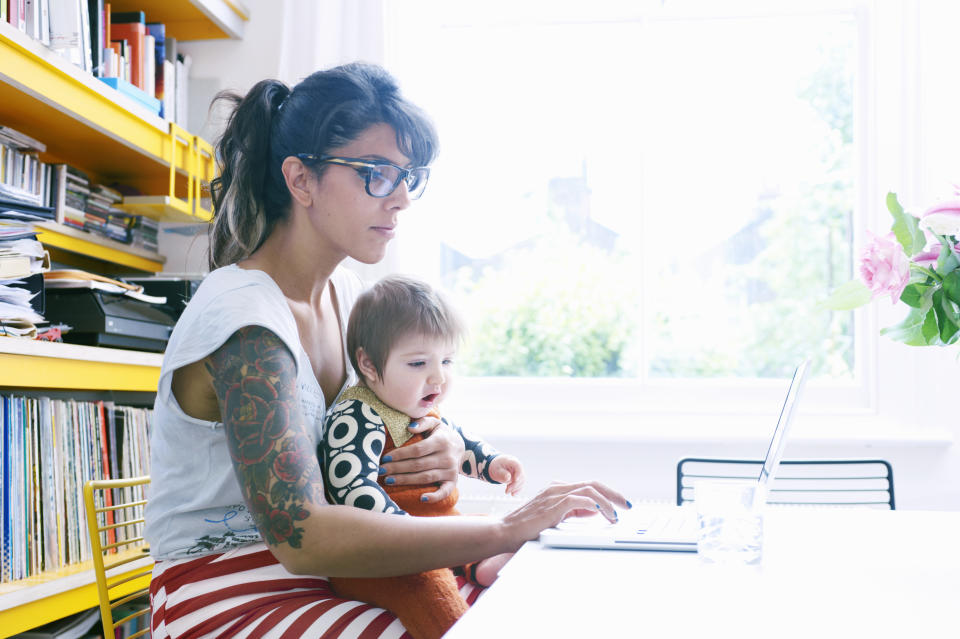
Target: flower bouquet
917,264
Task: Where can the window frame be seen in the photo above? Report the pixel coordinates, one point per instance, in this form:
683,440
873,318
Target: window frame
886,109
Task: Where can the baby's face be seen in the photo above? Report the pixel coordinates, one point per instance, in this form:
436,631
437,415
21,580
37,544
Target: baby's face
417,375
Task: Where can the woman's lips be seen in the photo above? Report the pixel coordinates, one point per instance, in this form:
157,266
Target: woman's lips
386,231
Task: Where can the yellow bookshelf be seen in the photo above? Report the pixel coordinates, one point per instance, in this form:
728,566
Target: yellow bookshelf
37,600
112,138
46,365
90,246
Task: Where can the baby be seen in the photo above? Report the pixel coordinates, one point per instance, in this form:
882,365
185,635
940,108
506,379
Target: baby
401,339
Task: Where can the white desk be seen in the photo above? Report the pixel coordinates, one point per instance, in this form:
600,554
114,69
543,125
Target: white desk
825,573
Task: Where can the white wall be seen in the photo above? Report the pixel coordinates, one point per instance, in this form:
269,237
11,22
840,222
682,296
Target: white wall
915,423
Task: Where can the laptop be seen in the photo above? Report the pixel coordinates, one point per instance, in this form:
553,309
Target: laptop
666,527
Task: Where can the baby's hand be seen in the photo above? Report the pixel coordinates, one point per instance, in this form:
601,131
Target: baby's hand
508,470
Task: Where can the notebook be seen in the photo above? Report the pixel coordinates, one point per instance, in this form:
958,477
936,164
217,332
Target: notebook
666,527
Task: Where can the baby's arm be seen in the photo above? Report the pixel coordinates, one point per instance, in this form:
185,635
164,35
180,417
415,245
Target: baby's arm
483,461
349,455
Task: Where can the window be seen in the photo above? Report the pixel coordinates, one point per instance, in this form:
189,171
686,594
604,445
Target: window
651,196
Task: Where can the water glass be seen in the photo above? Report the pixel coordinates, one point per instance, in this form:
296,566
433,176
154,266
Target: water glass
730,520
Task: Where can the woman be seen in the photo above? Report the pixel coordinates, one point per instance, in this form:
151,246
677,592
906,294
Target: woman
237,519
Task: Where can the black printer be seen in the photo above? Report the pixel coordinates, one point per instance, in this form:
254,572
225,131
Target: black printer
108,319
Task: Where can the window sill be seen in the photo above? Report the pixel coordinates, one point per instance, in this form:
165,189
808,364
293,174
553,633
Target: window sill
808,430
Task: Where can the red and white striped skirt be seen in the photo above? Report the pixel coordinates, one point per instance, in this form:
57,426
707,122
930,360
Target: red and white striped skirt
246,592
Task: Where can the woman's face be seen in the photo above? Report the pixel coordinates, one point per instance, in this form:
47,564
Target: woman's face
353,222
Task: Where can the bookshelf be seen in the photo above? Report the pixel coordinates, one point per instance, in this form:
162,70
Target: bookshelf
31,602
87,124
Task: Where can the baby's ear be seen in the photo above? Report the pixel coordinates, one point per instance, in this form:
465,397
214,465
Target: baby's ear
365,364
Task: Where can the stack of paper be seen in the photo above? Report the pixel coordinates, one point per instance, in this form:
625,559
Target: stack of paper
21,256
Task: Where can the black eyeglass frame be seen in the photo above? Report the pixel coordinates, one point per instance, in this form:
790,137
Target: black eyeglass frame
365,168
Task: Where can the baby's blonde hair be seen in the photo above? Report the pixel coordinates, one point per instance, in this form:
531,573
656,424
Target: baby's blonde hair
394,307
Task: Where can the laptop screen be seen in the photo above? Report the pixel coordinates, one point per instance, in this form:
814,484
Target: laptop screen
778,441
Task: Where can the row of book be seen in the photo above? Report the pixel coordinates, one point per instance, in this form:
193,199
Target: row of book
65,194
122,48
49,449
94,208
21,172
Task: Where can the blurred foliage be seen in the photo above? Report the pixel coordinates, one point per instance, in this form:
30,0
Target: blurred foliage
560,307
556,307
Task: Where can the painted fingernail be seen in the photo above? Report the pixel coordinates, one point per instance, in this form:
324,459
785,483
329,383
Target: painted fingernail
629,505
386,458
598,506
424,498
390,480
382,471
413,425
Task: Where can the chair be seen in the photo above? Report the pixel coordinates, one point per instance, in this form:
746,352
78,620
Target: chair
114,509
822,482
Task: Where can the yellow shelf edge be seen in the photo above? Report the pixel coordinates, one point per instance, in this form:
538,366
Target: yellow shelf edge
21,370
101,248
49,596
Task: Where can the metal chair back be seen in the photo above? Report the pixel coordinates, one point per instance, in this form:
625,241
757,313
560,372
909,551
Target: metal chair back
114,509
864,483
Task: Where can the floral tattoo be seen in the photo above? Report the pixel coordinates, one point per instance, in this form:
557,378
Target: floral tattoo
254,377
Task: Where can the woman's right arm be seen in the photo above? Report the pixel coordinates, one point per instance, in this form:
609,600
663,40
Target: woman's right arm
254,380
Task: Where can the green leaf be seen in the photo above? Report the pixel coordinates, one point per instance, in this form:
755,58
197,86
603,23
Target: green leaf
929,329
951,286
947,262
910,330
847,297
905,227
946,316
915,295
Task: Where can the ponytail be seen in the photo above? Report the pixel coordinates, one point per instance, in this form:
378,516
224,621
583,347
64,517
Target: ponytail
242,217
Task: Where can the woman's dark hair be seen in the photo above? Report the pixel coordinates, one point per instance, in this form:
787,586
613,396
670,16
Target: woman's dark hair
326,110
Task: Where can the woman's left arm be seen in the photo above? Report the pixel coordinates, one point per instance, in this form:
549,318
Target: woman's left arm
436,459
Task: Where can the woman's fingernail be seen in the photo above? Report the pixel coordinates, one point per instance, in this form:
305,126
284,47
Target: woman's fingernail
390,480
386,458
424,498
382,471
413,425
629,505
598,506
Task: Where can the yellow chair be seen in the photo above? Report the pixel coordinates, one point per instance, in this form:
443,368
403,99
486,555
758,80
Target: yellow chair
121,561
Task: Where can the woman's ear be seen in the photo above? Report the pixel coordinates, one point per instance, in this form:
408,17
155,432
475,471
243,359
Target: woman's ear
298,179
367,369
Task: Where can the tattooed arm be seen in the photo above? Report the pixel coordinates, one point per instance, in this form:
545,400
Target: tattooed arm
254,379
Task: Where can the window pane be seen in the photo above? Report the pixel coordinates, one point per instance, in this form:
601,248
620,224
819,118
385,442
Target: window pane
653,198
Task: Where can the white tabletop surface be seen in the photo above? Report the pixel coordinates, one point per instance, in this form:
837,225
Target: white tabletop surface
825,573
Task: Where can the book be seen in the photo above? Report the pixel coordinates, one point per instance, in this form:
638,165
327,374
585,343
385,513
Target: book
128,17
17,14
20,140
134,92
97,36
66,30
159,32
14,266
149,66
133,33
32,19
181,83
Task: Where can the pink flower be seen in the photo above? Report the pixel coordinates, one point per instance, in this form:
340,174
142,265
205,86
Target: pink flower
884,266
927,258
942,218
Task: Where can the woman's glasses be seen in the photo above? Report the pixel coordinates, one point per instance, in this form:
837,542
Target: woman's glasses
381,178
